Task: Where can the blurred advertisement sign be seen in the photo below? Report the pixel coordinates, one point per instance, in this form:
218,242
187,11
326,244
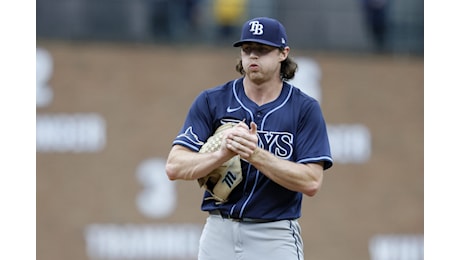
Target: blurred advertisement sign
159,197
77,132
70,133
396,247
111,241
157,200
44,70
350,143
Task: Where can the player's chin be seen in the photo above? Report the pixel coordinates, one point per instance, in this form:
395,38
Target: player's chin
255,76
253,70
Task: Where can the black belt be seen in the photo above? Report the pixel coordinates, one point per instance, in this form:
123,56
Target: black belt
227,216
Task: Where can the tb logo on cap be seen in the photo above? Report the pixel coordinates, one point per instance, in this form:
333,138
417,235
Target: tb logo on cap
256,28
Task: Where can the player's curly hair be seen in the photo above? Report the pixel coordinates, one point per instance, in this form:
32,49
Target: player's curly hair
287,71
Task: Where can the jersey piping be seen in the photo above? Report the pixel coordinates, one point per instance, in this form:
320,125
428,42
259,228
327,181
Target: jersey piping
243,207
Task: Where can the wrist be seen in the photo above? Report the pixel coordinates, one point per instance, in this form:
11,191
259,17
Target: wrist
255,154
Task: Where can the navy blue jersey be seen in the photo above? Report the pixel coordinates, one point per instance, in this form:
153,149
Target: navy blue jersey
291,127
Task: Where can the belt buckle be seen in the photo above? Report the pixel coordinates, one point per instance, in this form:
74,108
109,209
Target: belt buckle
228,216
236,219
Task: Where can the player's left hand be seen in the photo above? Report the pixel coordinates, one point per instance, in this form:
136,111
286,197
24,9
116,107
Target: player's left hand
243,140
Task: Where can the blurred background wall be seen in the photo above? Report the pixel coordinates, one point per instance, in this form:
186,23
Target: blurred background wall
345,25
115,80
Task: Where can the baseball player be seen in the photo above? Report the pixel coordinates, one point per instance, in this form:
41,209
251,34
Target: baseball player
279,135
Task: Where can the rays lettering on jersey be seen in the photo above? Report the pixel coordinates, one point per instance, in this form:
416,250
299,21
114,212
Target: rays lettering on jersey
278,143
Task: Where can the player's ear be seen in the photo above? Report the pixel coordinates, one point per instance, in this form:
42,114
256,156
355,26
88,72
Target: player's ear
284,53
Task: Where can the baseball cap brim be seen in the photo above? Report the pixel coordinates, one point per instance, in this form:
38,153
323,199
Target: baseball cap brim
239,43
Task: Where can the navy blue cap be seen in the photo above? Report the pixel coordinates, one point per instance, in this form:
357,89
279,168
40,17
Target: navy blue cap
263,30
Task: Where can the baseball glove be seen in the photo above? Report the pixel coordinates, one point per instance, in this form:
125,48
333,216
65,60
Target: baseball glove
222,180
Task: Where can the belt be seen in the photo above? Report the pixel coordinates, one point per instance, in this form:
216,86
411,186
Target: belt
248,220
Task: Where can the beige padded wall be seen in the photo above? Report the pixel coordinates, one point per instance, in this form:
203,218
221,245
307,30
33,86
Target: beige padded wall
137,97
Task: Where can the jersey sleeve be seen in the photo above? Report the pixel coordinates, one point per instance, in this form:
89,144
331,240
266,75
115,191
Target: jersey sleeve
197,125
312,144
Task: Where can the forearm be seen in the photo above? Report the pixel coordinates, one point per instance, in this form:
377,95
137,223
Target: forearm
184,164
305,178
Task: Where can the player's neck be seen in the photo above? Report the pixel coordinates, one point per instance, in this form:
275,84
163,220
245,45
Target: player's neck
263,92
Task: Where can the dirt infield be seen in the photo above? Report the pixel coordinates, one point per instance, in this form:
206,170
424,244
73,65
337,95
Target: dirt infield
143,92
